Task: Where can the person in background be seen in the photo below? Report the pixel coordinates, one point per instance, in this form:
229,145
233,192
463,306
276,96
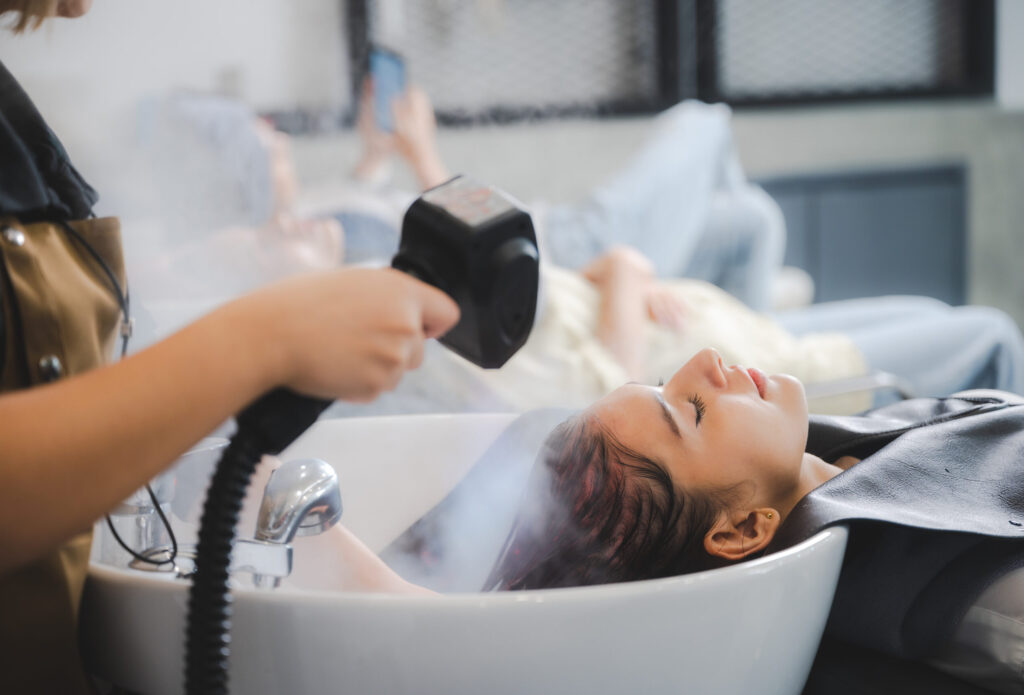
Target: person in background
682,210
615,318
611,320
683,195
682,200
78,436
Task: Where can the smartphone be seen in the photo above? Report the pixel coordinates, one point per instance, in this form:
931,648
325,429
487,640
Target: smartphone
387,70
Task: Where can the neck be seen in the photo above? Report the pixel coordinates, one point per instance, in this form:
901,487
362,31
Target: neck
813,472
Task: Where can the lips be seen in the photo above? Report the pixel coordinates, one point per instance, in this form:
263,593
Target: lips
759,379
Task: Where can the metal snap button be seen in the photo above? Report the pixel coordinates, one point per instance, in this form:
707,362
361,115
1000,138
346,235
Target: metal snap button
14,236
50,368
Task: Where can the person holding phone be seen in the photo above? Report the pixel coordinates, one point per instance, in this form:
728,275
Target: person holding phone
412,134
682,200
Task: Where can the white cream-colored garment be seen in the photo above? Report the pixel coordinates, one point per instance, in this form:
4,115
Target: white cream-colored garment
563,364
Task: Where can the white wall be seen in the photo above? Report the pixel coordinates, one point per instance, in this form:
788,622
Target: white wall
89,75
1010,53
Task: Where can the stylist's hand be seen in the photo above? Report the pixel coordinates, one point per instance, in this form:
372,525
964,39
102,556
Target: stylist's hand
348,334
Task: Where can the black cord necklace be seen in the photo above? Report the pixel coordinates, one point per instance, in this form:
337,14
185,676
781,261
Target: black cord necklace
123,301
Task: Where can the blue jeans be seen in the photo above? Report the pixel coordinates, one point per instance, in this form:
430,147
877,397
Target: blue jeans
682,201
367,238
939,349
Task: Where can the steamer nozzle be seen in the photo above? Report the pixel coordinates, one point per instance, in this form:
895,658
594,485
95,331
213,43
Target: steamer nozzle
478,246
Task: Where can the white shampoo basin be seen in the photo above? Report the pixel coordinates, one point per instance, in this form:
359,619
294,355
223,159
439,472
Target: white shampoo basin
751,628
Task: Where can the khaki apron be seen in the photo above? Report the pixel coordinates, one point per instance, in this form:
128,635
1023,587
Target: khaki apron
60,318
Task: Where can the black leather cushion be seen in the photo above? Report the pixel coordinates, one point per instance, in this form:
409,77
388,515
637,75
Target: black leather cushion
845,669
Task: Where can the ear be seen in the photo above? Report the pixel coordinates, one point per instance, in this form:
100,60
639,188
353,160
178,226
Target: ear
739,534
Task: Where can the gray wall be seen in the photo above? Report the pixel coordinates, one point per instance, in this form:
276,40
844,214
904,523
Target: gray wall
988,140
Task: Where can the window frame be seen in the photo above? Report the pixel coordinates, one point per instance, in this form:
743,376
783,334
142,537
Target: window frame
687,68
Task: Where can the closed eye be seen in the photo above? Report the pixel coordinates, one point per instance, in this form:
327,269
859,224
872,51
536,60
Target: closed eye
699,406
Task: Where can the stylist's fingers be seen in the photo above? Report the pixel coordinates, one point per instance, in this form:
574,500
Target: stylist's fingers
415,358
440,312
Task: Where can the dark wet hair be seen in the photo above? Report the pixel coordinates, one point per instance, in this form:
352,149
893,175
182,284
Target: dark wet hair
597,512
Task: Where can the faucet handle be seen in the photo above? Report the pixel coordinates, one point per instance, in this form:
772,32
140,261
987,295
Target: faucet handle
267,562
301,498
261,558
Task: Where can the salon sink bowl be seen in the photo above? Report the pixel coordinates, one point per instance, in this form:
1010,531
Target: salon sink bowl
752,628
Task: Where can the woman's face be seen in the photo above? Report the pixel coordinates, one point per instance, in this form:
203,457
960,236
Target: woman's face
715,427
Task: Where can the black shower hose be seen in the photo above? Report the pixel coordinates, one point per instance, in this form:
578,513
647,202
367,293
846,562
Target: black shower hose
266,427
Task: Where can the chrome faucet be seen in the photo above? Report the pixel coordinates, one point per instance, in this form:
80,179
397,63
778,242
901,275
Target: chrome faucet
302,498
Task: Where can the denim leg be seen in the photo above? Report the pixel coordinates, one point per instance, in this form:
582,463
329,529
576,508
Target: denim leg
367,238
849,315
742,246
942,353
659,202
572,235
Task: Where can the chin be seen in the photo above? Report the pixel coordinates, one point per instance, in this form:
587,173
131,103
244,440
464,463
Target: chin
792,393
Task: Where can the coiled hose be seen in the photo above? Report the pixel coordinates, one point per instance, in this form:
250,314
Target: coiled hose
266,427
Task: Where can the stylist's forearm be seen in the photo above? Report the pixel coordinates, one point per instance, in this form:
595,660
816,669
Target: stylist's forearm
121,425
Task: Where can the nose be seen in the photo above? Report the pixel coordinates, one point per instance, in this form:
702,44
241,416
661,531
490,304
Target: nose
711,366
703,371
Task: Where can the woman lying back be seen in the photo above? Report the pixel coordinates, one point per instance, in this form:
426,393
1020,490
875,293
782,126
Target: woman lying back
721,465
657,481
724,463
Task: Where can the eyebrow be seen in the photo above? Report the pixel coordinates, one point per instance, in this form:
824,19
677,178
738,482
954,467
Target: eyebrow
666,414
671,421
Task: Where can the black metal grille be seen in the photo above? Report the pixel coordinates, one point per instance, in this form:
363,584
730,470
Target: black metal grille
509,59
788,50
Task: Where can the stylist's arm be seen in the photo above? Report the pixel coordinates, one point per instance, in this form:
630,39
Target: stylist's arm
71,450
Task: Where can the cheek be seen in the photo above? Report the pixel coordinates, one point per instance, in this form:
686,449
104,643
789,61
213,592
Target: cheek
786,416
773,439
